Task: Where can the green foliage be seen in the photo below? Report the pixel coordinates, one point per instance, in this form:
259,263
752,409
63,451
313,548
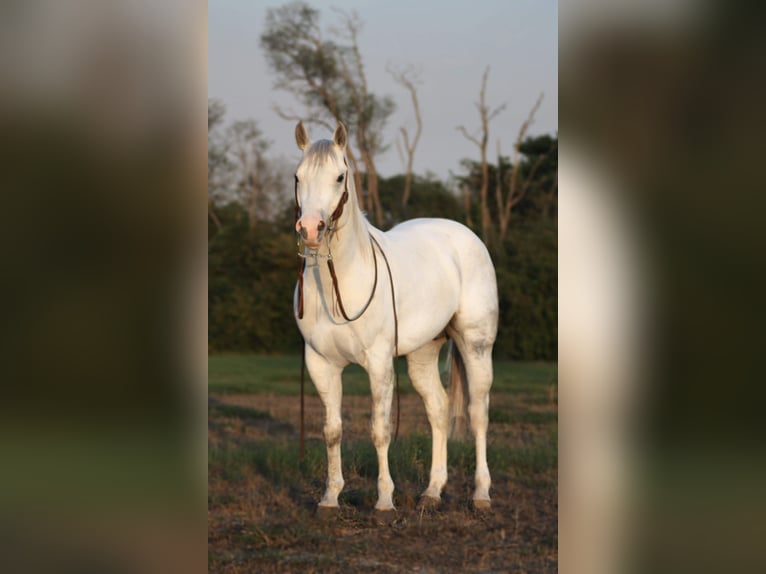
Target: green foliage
527,281
251,278
429,198
538,163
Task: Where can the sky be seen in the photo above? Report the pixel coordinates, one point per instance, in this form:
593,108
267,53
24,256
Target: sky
450,41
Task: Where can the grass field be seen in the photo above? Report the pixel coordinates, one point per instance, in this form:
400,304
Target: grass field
262,500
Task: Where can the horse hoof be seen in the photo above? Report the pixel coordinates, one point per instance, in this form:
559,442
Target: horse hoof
429,502
482,504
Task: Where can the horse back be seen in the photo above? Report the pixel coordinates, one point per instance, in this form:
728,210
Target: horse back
442,268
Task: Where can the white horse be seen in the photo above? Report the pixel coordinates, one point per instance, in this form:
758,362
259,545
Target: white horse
443,283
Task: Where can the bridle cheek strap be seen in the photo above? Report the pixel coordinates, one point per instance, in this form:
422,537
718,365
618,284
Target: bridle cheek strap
301,262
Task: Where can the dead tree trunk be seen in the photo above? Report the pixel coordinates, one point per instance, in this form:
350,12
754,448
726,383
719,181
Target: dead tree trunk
516,193
407,79
486,115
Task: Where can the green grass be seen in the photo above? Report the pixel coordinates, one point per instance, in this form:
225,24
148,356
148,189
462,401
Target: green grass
409,459
235,411
497,415
280,375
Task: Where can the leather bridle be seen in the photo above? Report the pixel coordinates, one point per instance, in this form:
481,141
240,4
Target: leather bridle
336,214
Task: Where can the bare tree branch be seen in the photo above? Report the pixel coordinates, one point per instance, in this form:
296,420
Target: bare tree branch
309,118
485,115
212,214
400,152
499,181
356,84
495,112
528,180
530,119
408,78
468,136
516,195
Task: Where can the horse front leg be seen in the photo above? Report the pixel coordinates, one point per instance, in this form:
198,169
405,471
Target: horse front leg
382,387
327,380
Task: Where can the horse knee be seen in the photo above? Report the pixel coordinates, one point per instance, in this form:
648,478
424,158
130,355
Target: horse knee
438,412
333,430
381,434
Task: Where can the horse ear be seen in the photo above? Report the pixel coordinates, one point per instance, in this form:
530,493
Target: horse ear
301,137
340,137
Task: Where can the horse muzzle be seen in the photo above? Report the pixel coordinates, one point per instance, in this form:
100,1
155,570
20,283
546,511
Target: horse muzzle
311,230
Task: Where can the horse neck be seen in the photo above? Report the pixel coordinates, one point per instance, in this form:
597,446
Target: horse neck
351,239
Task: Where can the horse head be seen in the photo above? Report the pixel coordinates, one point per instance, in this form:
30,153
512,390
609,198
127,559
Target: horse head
321,185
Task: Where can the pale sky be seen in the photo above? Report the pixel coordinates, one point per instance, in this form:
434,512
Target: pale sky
451,41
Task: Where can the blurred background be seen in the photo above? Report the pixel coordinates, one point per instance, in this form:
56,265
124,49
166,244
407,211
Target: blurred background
102,109
660,276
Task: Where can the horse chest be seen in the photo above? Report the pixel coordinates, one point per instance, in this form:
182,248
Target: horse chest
339,343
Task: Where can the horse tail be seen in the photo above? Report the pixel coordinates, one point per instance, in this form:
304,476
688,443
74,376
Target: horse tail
458,394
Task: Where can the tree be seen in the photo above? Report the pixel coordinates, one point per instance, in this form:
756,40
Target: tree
535,166
430,198
486,115
248,147
239,170
306,66
216,155
516,192
370,111
542,152
329,78
408,78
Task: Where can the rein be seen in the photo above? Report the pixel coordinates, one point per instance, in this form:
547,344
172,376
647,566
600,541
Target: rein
336,214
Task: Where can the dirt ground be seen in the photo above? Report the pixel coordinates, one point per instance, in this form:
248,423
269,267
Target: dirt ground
260,523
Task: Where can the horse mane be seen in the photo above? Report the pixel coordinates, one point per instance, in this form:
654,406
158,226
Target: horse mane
319,152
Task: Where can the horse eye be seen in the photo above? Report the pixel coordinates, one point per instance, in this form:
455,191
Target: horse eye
340,178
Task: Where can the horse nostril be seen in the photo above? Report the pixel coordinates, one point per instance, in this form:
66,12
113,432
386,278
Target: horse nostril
304,233
321,226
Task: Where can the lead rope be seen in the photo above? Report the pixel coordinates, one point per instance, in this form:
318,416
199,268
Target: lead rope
301,268
303,418
336,289
396,337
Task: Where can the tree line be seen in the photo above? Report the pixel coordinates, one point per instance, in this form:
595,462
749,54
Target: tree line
511,204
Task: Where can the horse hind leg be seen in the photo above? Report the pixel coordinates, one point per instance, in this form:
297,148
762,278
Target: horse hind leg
479,370
477,357
423,369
